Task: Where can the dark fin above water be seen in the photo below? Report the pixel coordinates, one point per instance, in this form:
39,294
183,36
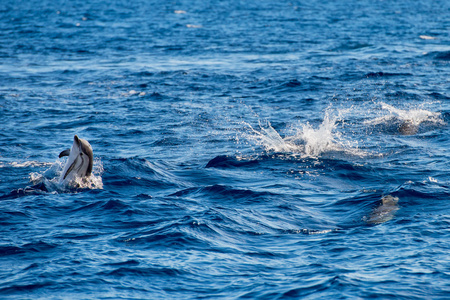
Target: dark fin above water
64,153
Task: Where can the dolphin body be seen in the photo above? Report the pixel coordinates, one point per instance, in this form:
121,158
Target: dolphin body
408,127
80,161
385,212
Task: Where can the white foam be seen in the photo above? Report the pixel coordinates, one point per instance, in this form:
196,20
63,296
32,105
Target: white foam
313,231
319,140
91,182
414,116
427,37
50,178
27,164
307,140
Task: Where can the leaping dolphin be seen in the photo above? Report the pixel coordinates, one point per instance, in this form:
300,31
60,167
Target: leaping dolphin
80,161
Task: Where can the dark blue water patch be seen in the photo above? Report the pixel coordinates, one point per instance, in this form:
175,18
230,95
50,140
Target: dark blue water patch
385,74
403,95
124,181
225,193
29,249
347,170
446,116
143,196
281,85
225,161
362,204
128,263
423,191
350,46
440,55
146,272
9,218
118,216
158,96
185,192
35,190
136,172
168,141
8,250
167,234
24,288
115,205
291,84
77,236
439,96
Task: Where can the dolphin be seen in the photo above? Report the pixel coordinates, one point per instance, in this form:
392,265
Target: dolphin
80,161
385,212
408,127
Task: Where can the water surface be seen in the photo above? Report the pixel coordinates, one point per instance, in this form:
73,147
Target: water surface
242,149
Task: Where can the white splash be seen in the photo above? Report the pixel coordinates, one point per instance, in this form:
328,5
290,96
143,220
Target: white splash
50,178
316,141
413,117
27,164
306,141
270,139
427,37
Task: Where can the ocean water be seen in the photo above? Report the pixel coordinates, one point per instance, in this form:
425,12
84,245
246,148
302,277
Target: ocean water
242,149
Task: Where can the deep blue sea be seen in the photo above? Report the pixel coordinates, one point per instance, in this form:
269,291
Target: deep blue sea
242,149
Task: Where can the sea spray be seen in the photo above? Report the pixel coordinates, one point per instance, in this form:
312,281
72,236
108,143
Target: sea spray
319,140
50,178
411,118
306,140
269,138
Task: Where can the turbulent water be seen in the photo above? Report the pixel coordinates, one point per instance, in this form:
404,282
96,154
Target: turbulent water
242,149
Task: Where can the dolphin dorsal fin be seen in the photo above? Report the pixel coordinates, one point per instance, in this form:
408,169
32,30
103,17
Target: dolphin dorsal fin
64,153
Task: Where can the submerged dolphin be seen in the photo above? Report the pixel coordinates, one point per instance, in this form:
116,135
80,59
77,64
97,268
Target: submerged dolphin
408,127
385,212
80,161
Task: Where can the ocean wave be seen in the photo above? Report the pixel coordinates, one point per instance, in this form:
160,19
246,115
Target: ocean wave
29,248
223,192
440,55
283,150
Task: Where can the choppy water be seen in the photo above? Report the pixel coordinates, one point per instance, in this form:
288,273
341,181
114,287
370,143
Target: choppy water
243,149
